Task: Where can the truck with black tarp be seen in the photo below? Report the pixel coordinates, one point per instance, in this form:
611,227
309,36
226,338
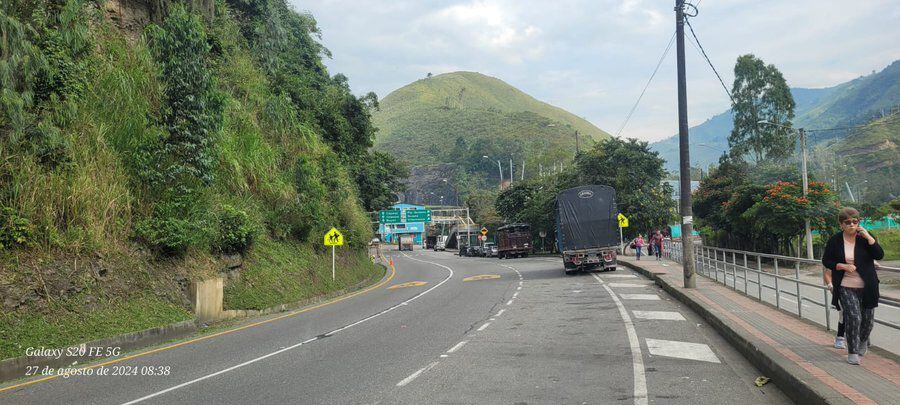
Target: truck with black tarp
586,227
514,240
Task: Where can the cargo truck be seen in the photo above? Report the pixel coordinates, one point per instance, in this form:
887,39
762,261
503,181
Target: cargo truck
514,241
405,241
586,228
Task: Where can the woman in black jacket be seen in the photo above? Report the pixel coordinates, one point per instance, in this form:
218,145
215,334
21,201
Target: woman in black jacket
851,255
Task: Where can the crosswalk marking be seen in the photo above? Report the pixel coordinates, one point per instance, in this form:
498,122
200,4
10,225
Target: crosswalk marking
681,350
658,315
628,285
648,297
620,276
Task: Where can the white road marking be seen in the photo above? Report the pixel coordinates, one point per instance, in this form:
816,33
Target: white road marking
637,359
509,302
251,361
627,285
660,315
681,350
500,312
620,276
413,376
483,327
458,346
444,355
519,288
515,295
648,297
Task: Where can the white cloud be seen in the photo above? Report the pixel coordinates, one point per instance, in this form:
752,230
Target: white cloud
594,57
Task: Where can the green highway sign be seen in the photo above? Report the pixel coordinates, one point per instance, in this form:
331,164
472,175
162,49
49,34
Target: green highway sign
389,217
418,215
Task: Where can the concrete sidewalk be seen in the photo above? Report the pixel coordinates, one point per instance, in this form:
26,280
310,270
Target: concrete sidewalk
797,355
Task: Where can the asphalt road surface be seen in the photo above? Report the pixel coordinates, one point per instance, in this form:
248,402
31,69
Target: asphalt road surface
447,329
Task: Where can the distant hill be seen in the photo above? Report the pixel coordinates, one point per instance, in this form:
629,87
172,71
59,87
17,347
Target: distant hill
421,123
852,103
872,158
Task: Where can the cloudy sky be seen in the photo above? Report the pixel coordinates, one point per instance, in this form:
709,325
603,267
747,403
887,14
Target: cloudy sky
593,57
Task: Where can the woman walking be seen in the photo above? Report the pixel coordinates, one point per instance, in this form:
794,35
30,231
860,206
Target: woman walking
638,245
657,241
851,255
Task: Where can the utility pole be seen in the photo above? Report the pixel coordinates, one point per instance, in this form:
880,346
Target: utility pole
809,243
523,170
576,143
687,226
512,174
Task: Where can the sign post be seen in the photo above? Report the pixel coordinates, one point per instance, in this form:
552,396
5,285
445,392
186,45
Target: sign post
333,238
623,223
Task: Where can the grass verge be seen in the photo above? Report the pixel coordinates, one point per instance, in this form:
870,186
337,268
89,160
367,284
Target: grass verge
20,331
277,273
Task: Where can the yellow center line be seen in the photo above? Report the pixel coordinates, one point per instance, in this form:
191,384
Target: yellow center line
202,338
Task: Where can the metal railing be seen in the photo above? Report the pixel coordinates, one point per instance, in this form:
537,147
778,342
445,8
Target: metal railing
767,272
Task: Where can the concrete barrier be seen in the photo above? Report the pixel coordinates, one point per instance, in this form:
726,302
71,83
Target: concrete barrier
207,298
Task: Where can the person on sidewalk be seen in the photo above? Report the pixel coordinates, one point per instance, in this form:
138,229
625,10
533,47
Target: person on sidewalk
638,244
657,242
850,255
839,341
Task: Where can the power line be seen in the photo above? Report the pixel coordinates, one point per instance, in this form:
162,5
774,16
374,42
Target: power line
703,52
658,64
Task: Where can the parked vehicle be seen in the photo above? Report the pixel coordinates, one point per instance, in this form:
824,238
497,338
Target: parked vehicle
494,251
514,241
440,243
405,241
375,242
489,249
586,228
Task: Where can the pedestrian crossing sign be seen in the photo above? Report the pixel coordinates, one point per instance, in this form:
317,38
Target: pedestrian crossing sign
623,221
334,238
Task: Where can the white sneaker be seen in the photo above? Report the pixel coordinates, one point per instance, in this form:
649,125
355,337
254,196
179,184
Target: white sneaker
840,342
853,359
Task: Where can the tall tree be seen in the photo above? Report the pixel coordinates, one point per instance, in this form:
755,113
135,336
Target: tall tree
760,93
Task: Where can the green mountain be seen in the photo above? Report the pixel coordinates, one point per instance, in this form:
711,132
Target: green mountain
429,120
847,104
867,160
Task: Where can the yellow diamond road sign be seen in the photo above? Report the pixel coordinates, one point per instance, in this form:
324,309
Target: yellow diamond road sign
623,221
484,231
334,238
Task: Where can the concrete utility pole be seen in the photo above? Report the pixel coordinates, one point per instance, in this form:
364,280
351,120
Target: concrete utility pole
512,174
576,142
687,219
809,242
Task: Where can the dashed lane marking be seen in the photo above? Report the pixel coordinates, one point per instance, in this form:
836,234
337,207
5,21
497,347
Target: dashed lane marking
458,346
681,350
620,276
482,277
483,327
415,375
500,312
658,315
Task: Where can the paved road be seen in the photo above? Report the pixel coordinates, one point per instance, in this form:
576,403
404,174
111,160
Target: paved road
522,333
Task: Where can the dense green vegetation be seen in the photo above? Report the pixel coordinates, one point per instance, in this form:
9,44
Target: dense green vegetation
129,162
626,165
460,117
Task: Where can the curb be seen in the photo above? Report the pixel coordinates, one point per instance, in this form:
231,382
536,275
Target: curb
790,377
16,367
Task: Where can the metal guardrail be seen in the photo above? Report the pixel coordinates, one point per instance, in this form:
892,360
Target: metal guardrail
712,262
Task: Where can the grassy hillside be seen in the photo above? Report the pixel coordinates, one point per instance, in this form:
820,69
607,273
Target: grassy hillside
439,109
135,162
868,158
